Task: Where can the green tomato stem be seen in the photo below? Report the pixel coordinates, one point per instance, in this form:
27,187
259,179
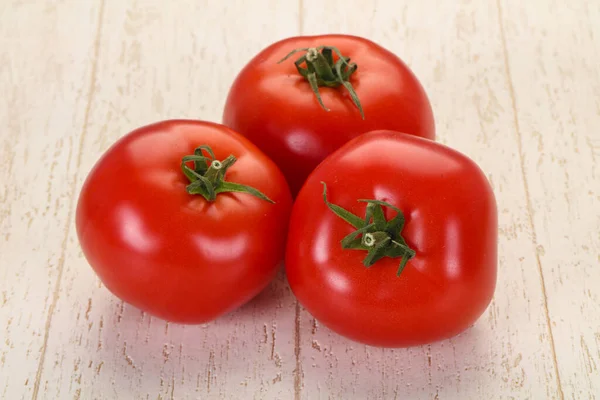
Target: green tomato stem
374,234
320,70
207,179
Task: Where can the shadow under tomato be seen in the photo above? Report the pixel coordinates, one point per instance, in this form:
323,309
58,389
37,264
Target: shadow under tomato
262,332
276,296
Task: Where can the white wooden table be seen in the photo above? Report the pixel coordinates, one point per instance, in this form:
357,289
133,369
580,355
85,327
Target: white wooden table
514,84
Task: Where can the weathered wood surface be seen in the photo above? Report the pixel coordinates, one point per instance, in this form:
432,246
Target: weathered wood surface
514,85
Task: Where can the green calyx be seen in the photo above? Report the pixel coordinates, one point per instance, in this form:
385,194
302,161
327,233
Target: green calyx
207,178
320,70
374,234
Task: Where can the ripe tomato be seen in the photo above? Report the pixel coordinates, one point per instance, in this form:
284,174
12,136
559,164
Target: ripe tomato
181,256
431,268
274,105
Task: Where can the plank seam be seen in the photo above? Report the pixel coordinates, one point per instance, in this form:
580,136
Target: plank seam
61,261
298,369
527,196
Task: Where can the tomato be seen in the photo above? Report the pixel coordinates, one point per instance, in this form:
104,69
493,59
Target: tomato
424,268
184,249
274,105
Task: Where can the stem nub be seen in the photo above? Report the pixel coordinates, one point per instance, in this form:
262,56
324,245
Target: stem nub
374,234
207,178
320,70
368,239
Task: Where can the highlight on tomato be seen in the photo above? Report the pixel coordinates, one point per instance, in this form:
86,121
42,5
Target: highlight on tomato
301,98
185,220
393,241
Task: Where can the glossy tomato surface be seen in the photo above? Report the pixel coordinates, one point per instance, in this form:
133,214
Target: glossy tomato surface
274,106
172,254
451,223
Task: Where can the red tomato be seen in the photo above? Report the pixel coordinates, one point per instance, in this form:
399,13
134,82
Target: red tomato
173,254
274,106
448,241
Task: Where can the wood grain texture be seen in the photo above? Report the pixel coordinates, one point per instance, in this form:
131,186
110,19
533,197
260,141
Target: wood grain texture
42,106
555,87
514,85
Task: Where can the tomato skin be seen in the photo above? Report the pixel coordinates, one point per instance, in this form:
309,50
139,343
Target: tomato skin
451,222
275,108
172,254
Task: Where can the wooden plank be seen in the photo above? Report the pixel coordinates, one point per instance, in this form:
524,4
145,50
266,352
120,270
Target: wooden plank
455,48
555,89
511,87
45,70
158,62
